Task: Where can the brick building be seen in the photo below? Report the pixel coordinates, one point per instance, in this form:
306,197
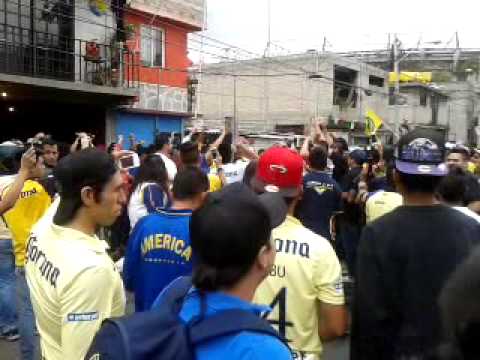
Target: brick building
159,36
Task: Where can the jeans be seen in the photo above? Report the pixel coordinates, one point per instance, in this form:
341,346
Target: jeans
29,342
349,237
8,311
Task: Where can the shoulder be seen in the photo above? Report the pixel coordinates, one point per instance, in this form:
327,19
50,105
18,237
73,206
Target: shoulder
255,346
297,232
148,221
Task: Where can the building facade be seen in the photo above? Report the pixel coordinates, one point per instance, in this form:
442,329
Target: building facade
283,94
158,36
454,78
61,62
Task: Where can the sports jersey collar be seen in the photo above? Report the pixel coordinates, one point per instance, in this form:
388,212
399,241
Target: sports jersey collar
221,301
173,212
291,220
91,242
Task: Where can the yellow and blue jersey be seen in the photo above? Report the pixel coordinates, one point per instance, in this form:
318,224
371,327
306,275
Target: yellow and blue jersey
159,250
32,203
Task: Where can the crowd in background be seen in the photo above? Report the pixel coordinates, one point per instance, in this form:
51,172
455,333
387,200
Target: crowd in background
323,241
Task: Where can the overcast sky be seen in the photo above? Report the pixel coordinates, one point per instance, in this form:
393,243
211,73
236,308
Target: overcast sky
348,24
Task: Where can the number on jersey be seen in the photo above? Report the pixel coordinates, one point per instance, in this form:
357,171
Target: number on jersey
281,300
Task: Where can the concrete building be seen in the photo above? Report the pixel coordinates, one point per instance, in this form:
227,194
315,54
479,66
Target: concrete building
61,63
159,32
105,67
283,94
455,79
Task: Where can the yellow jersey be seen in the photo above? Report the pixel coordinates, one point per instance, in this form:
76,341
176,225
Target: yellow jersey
73,286
471,167
306,273
382,203
29,208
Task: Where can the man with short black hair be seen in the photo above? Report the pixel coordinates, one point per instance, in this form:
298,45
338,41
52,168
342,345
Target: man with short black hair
73,282
457,158
405,257
350,222
340,164
50,153
451,192
159,249
322,195
31,205
305,285
164,148
228,269
189,154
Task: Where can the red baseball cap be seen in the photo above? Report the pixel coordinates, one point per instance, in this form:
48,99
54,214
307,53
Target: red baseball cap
279,170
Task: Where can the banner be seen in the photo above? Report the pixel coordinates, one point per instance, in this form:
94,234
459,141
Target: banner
373,122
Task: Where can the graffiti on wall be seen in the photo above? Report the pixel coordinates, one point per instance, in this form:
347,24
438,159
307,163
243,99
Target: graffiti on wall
162,98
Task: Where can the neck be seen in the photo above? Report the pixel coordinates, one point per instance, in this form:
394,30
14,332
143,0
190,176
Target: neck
419,199
244,290
81,222
183,205
164,152
291,208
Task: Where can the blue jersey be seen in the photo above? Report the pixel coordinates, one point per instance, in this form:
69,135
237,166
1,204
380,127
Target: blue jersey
245,345
321,199
159,250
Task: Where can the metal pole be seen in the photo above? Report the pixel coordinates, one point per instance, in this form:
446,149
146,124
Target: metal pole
235,119
201,62
396,69
317,69
361,118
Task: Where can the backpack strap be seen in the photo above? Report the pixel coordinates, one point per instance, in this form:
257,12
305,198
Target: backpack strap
174,294
229,322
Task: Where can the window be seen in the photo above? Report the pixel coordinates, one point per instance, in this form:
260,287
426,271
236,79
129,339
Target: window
423,98
375,81
344,90
152,46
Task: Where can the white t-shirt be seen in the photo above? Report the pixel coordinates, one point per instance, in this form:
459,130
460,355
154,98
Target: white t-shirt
137,208
234,171
468,212
170,166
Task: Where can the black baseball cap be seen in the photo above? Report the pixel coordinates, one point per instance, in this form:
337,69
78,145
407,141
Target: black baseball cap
359,156
233,224
421,152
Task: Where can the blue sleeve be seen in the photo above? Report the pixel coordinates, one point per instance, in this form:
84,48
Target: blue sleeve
153,198
259,347
131,263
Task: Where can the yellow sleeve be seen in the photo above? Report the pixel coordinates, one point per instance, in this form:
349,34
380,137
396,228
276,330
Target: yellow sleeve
471,167
84,305
327,277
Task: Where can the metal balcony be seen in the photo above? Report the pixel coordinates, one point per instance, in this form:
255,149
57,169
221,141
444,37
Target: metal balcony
44,55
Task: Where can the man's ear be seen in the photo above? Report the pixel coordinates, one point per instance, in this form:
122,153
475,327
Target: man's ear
396,180
263,258
88,196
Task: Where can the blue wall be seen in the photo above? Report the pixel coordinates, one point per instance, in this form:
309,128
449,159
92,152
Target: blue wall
145,126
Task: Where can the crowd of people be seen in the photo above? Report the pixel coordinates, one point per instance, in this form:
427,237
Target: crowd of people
235,253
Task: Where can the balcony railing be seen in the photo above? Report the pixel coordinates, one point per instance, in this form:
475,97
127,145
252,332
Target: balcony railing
44,55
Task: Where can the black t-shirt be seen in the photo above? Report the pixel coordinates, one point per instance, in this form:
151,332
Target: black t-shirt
404,260
472,192
340,167
352,212
322,197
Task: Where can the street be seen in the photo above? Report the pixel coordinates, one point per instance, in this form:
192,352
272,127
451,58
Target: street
337,350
